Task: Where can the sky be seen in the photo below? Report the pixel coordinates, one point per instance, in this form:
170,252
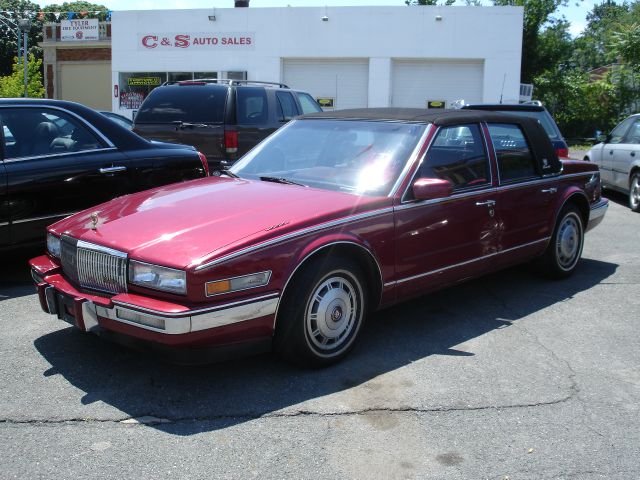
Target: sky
575,11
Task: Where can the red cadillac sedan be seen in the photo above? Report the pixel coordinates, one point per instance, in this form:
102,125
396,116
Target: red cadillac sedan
332,217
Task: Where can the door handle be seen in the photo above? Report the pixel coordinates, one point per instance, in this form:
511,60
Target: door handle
105,170
633,154
610,152
487,203
549,190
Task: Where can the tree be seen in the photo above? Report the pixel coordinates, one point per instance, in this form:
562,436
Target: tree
12,10
428,2
13,85
537,15
84,10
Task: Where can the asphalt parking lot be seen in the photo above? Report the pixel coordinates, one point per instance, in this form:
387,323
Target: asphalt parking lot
510,376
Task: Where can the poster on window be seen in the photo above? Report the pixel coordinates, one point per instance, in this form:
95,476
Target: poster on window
79,30
131,100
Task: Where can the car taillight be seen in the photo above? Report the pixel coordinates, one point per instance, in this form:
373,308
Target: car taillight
231,141
562,152
205,164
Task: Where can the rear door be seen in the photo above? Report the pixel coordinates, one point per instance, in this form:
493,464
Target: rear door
5,226
56,165
255,116
525,196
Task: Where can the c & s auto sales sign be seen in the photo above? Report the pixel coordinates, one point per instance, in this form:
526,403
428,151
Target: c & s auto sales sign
195,41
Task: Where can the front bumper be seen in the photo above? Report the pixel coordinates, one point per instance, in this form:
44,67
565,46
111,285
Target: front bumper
597,213
153,320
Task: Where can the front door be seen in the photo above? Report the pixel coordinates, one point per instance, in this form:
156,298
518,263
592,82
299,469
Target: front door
626,153
56,165
445,240
612,150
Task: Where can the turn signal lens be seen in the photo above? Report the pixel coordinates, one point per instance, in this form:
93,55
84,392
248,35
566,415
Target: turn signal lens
237,283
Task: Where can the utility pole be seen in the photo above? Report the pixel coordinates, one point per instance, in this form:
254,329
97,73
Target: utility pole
25,26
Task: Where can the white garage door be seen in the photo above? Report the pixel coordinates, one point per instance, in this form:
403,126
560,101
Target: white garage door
87,83
344,81
415,82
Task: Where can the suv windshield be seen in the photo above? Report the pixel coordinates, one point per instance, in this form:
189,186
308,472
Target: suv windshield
363,157
186,103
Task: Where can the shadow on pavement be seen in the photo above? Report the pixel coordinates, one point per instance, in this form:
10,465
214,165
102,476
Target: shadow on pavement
15,275
616,197
235,392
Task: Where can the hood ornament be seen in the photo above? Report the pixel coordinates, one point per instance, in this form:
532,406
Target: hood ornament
94,220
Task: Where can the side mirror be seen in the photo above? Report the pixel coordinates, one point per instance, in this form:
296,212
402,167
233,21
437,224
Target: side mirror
431,188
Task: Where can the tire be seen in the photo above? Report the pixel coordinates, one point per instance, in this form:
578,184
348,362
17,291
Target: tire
634,192
322,313
565,248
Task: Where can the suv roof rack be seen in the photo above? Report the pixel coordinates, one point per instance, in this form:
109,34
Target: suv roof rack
196,81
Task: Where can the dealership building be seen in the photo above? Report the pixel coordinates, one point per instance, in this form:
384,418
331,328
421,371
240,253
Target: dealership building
347,57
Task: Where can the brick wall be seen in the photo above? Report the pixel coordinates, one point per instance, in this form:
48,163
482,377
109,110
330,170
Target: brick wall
83,54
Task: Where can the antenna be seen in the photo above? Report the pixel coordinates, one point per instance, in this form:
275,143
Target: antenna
502,91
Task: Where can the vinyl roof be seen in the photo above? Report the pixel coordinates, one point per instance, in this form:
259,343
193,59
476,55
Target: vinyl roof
417,115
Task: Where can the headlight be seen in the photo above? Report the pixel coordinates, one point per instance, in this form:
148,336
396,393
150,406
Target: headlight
158,278
237,283
53,245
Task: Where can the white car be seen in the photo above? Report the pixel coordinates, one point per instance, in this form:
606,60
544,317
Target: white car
618,157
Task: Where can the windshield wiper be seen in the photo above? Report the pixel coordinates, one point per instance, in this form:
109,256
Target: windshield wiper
281,180
228,173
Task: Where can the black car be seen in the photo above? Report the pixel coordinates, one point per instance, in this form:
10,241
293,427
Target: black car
224,119
61,157
534,110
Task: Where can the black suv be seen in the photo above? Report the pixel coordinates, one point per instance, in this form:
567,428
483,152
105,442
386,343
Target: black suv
223,119
534,110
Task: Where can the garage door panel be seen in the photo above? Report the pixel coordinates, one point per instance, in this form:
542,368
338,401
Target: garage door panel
346,81
414,82
86,83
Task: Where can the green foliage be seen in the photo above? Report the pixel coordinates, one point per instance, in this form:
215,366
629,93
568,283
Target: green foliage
428,2
8,31
13,85
86,8
625,44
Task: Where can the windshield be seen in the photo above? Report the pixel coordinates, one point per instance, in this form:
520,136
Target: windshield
362,157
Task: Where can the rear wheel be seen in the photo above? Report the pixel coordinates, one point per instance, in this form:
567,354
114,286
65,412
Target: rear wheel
564,250
634,192
322,313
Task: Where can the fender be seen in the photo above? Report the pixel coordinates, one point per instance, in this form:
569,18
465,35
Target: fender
316,246
569,194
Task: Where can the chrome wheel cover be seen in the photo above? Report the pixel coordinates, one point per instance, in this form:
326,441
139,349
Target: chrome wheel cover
634,192
569,241
332,313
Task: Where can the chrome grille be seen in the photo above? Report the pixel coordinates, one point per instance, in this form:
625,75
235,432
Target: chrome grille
93,266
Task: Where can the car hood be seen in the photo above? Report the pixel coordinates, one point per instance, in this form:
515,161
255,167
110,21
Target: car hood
183,225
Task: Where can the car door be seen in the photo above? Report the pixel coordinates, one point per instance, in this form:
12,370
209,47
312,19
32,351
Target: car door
614,151
5,226
58,164
451,238
525,197
626,153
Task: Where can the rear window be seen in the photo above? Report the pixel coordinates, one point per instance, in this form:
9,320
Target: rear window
187,103
543,117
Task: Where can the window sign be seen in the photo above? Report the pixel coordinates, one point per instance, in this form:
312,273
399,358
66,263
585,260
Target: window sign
144,81
326,102
436,104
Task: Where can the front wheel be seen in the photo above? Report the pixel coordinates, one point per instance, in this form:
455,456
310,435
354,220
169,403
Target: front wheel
564,250
322,312
634,192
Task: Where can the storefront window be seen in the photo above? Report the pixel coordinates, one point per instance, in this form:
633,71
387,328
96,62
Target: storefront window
180,76
197,75
135,86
